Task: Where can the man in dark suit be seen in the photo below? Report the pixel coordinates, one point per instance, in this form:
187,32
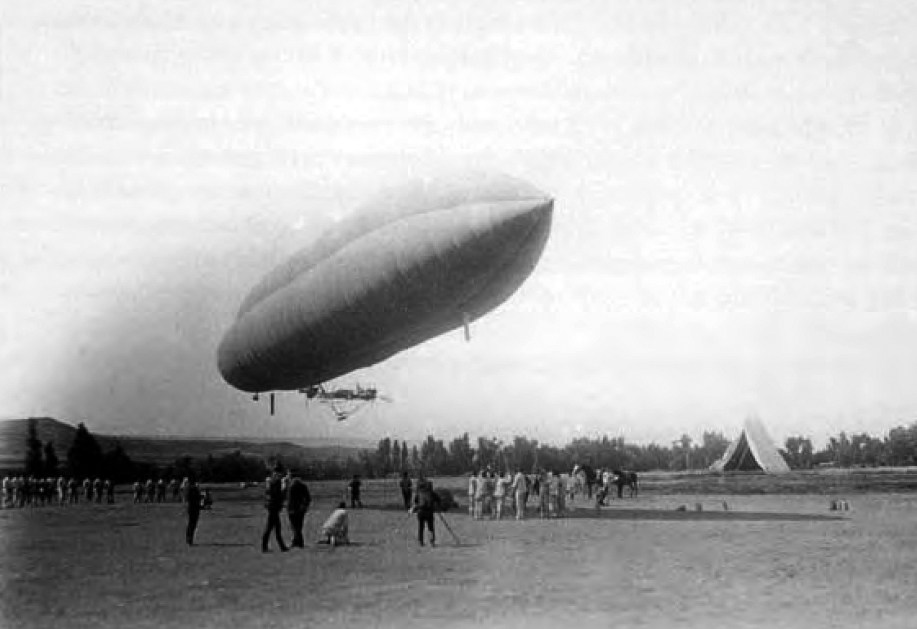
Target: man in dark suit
298,501
194,511
426,504
273,502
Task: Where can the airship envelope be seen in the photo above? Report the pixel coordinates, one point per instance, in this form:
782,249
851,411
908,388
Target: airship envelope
413,263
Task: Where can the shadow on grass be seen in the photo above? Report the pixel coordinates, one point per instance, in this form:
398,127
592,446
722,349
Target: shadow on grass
663,515
344,547
400,509
695,516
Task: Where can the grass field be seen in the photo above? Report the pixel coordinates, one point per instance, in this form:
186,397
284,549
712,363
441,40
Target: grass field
771,560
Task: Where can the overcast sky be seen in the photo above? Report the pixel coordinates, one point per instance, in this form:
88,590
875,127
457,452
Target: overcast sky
734,232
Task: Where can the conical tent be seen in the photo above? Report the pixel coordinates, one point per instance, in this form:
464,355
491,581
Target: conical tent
752,451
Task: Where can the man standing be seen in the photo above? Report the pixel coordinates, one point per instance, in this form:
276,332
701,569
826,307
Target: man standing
405,485
426,502
472,493
194,511
355,485
273,502
479,493
500,485
520,490
298,501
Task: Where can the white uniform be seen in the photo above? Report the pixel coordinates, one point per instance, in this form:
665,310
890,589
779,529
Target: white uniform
472,491
336,525
499,495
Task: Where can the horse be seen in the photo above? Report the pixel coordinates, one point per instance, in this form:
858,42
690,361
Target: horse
584,480
624,477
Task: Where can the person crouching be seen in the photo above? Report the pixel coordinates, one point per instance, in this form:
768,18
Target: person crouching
335,530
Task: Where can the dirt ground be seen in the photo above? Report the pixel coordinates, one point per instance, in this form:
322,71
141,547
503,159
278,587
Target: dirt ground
767,561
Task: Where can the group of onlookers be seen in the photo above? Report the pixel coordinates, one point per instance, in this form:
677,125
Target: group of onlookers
490,493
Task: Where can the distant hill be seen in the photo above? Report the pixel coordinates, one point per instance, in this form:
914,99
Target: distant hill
163,450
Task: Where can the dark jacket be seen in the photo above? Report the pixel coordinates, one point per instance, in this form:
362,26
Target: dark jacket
194,499
273,495
298,498
425,499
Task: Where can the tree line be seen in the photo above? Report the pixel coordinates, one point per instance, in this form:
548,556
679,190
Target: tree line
460,455
85,458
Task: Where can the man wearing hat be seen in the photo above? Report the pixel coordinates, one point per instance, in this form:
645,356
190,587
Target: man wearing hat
273,502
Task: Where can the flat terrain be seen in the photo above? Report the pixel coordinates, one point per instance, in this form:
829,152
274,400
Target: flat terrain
770,560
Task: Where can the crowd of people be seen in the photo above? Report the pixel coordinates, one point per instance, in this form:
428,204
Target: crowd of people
23,491
490,494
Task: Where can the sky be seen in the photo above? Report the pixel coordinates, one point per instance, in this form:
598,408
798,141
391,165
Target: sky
734,227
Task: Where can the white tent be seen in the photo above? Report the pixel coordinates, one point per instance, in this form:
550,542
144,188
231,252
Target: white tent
752,451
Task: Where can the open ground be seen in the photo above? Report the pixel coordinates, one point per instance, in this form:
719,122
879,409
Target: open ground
770,560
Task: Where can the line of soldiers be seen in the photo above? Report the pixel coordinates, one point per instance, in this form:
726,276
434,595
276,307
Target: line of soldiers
489,491
19,491
157,491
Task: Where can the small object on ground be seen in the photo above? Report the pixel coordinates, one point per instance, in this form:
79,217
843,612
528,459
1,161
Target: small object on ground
681,508
698,506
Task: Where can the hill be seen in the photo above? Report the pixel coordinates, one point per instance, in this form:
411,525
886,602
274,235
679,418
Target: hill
161,450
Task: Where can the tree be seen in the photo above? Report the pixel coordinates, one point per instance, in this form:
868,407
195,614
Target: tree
33,461
384,456
901,445
713,446
461,456
488,453
798,452
84,458
415,459
521,453
51,460
681,453
117,466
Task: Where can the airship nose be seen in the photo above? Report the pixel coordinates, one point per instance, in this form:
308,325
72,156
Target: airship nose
514,217
525,221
